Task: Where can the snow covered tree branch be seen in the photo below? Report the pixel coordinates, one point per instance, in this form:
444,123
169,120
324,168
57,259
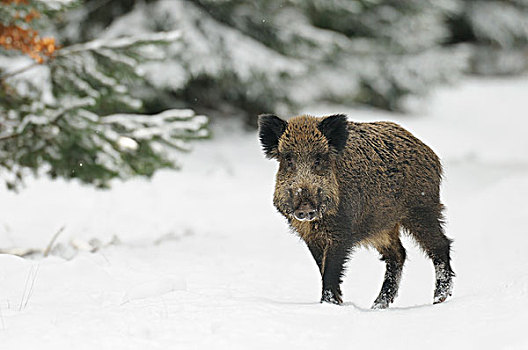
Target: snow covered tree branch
246,58
76,115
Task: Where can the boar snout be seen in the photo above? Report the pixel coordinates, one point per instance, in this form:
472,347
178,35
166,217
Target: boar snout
305,212
305,208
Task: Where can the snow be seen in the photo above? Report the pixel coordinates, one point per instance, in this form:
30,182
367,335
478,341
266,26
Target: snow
126,143
122,42
203,260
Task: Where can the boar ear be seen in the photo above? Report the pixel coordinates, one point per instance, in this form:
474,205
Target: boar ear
334,128
271,128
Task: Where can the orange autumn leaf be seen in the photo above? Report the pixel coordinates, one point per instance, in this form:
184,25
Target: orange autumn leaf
26,40
31,15
16,2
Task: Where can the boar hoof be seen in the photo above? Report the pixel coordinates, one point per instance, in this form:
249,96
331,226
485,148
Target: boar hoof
380,305
331,297
444,289
441,297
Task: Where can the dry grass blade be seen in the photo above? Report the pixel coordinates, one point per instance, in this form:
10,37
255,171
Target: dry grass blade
28,287
52,242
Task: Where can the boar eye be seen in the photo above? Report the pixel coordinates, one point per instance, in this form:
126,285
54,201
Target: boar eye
288,160
320,163
319,160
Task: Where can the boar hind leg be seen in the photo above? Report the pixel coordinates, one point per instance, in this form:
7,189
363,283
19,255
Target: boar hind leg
393,253
425,225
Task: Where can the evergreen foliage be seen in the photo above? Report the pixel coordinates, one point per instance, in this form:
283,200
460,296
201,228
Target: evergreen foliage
270,55
74,116
498,32
249,57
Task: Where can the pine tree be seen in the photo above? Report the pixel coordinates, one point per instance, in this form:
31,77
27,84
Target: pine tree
498,32
383,50
73,112
270,55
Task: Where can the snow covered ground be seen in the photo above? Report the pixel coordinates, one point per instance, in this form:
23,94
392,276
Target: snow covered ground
205,262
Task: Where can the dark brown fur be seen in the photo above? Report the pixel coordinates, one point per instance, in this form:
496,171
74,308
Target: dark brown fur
364,181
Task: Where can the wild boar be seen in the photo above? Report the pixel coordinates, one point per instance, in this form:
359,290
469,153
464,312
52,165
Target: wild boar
343,184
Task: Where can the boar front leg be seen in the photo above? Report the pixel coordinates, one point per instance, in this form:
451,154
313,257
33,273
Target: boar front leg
333,259
317,250
330,260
